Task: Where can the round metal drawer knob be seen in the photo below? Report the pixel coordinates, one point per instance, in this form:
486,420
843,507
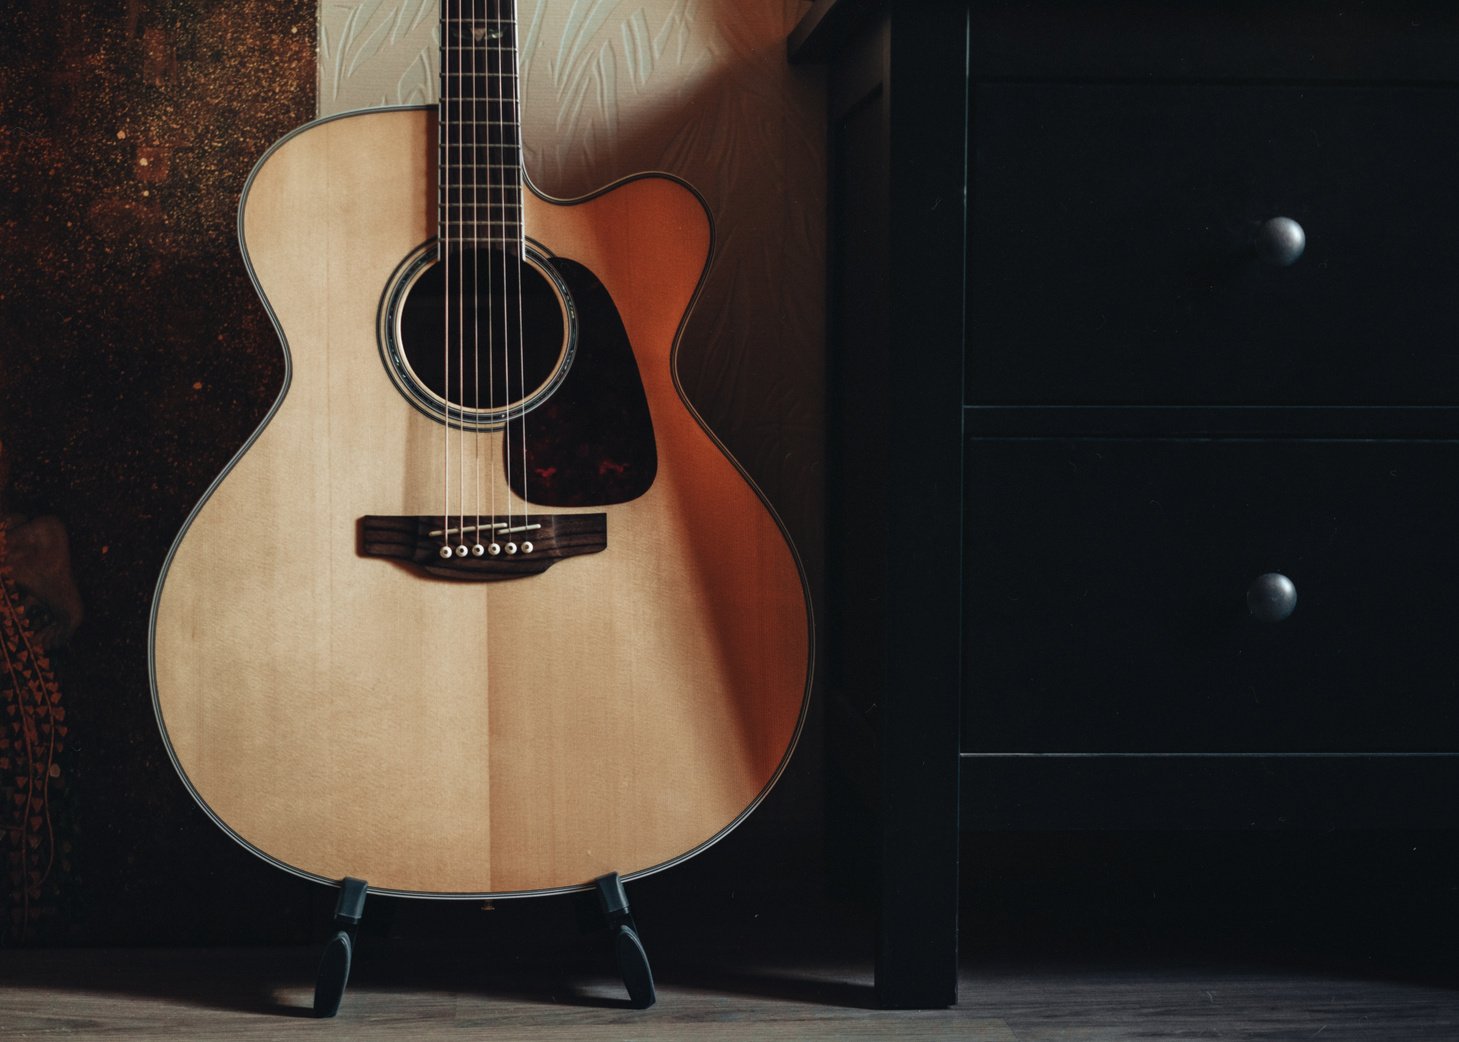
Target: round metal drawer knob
1271,597
1281,241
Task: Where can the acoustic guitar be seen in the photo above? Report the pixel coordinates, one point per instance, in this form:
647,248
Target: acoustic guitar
482,608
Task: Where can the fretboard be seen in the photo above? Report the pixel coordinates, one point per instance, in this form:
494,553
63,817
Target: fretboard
480,159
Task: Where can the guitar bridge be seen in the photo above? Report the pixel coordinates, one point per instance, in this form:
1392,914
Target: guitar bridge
485,549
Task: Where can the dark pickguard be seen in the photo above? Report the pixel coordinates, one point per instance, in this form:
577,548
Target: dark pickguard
592,442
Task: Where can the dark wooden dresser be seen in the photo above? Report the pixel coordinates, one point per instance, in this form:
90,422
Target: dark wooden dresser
1145,428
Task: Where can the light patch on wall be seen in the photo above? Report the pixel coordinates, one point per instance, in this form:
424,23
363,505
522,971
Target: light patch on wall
377,52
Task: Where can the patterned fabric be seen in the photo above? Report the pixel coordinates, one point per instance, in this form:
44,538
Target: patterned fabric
32,732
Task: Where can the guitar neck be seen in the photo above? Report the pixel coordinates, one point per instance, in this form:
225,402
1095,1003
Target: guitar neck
480,159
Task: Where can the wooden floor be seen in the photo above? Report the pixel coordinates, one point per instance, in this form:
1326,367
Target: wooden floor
265,993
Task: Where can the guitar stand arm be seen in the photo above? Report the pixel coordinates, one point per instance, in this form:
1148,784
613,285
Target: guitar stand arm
628,950
339,950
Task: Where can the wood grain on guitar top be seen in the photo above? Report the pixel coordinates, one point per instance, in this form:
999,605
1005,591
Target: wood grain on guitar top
344,716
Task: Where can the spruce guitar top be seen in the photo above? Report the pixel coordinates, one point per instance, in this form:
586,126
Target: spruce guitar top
482,608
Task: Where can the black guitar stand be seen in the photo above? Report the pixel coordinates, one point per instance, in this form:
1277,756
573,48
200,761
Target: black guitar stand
638,976
339,950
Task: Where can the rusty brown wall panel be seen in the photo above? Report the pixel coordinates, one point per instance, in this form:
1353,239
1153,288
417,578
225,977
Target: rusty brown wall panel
134,360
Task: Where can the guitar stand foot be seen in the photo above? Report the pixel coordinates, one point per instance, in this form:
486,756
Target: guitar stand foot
633,966
339,950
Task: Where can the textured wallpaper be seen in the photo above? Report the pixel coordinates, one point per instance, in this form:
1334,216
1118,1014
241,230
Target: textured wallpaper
698,88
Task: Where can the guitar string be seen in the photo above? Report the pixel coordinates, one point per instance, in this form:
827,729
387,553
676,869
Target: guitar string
478,108
479,113
461,275
500,115
521,236
491,324
476,294
443,239
454,106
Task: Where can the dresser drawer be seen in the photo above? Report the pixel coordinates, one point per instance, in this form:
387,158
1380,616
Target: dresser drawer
1106,589
1112,231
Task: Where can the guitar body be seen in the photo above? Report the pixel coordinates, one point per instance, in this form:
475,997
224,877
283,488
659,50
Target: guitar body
343,715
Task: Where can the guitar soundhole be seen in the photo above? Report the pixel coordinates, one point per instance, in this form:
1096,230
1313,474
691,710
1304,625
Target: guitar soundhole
479,336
